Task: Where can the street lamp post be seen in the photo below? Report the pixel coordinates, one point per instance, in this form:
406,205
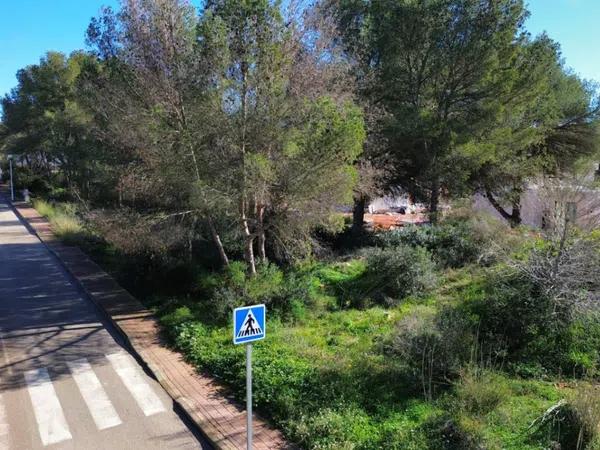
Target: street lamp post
12,186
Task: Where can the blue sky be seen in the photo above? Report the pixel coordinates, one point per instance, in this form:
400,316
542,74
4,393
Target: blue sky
28,28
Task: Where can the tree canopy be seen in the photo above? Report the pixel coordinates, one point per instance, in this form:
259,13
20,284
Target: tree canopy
468,95
252,125
235,121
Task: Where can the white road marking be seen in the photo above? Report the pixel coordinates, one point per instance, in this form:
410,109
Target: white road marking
52,424
134,381
93,393
4,438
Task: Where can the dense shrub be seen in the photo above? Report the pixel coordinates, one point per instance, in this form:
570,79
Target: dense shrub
452,244
512,312
179,316
283,293
399,272
59,194
586,407
434,345
573,423
38,185
518,324
480,391
582,357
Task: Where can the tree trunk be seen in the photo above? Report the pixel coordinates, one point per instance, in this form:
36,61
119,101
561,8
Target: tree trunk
262,254
434,200
218,244
514,218
190,241
249,255
120,193
516,213
358,215
248,236
249,241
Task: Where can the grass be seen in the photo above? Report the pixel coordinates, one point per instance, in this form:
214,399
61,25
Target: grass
327,383
63,219
71,230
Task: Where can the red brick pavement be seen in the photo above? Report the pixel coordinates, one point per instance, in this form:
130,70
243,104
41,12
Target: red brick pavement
207,403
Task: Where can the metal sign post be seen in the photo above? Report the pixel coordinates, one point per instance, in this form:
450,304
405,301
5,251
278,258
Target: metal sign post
249,397
249,325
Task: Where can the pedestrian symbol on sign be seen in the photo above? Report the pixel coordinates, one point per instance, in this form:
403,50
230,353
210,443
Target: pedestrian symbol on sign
249,327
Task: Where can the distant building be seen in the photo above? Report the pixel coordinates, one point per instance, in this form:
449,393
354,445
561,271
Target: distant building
543,203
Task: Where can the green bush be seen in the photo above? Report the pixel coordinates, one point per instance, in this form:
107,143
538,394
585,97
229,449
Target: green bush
283,293
434,345
25,178
480,391
573,423
452,244
395,273
582,357
177,317
512,313
517,324
59,194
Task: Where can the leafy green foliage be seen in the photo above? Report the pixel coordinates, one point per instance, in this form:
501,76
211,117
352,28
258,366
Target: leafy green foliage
480,392
331,382
46,127
283,293
452,244
435,346
399,272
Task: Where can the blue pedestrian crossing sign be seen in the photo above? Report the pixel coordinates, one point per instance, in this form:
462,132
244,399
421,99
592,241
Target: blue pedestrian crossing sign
249,324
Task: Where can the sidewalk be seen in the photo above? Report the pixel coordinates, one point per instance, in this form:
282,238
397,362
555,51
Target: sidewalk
207,403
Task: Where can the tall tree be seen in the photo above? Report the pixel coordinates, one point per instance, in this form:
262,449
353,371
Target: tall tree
238,119
437,68
549,121
44,124
287,124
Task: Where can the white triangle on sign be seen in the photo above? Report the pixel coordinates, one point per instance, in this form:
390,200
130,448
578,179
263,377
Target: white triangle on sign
250,326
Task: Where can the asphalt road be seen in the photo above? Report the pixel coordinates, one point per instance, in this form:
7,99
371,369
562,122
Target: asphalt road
66,381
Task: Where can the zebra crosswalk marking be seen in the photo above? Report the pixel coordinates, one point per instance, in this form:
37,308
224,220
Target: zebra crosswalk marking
94,395
135,382
49,415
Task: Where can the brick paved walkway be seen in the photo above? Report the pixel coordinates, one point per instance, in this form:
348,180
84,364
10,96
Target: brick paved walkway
221,419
